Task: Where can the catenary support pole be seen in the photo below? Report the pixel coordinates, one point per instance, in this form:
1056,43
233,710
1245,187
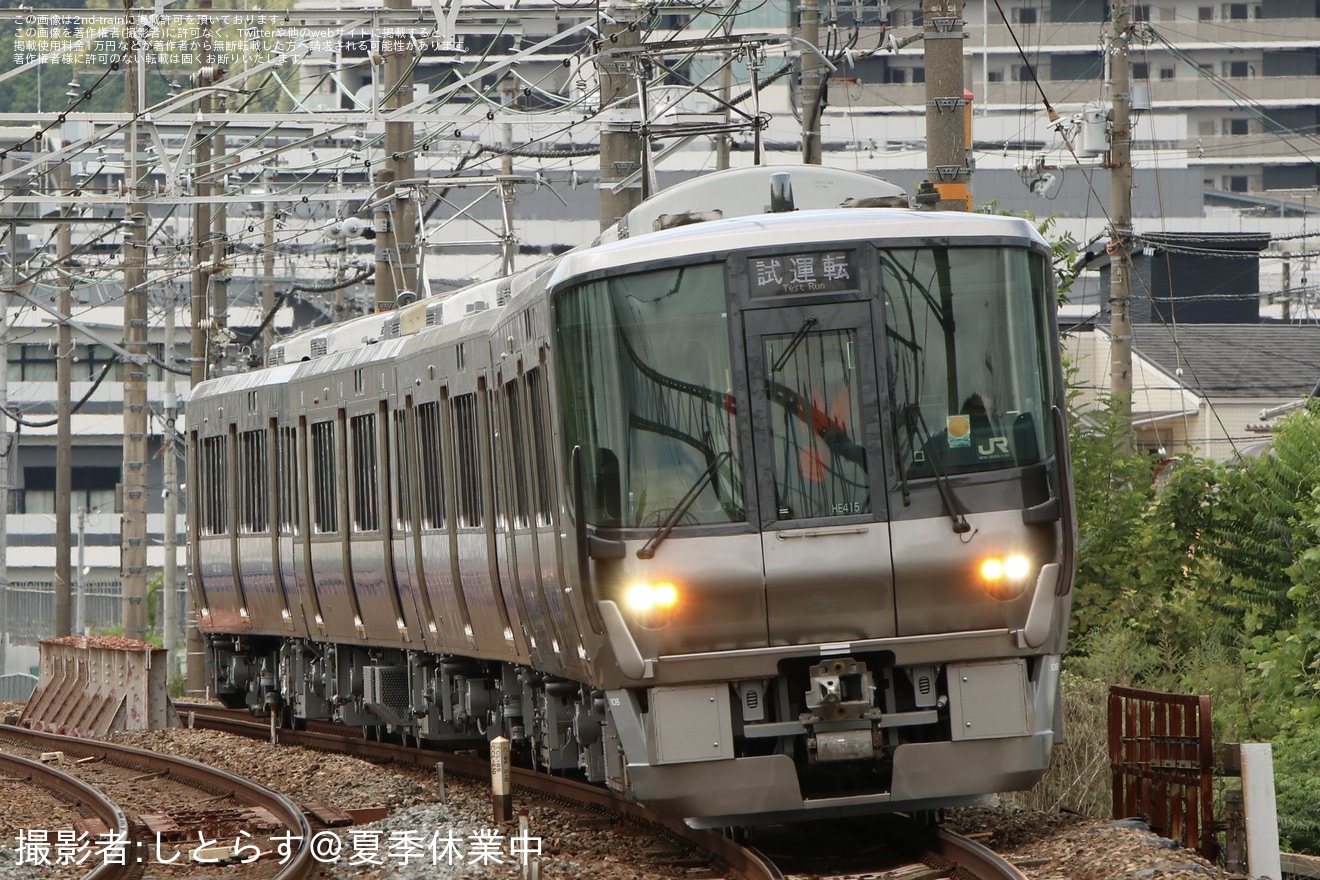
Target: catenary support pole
810,93
396,251
170,589
200,283
133,528
8,443
946,148
64,418
620,143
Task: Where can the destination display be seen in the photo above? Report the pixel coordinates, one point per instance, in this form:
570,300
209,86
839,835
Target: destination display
820,272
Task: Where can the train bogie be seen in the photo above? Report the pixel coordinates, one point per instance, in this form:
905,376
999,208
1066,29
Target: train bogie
751,519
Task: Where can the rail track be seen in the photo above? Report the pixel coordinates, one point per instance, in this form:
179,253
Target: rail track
133,772
945,854
81,798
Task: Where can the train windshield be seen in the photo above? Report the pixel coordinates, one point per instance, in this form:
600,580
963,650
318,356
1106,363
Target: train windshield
648,396
969,358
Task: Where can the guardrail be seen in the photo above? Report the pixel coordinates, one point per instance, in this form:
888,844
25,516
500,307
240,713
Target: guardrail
1299,866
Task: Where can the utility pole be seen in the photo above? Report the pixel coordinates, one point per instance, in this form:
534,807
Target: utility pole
620,140
341,260
1120,223
946,142
220,269
1286,299
63,416
133,528
724,140
81,618
268,278
508,192
8,445
170,587
810,93
386,254
396,252
200,282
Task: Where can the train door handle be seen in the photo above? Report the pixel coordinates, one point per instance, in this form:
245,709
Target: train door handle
820,533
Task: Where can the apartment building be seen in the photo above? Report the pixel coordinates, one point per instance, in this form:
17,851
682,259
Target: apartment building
1229,85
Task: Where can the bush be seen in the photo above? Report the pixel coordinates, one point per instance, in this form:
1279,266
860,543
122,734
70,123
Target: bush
1296,782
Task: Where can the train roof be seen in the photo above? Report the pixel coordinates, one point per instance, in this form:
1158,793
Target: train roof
889,227
741,192
716,213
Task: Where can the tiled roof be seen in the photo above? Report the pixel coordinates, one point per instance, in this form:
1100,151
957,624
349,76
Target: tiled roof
1241,360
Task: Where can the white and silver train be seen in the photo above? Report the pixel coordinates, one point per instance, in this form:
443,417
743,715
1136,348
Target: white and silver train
762,517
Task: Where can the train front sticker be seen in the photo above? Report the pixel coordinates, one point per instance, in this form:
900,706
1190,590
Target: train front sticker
959,430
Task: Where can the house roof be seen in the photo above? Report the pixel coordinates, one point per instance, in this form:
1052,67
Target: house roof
1239,360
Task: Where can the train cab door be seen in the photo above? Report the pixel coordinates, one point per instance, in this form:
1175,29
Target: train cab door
820,482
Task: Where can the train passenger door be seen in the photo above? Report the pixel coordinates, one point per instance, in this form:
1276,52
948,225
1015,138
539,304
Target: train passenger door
820,472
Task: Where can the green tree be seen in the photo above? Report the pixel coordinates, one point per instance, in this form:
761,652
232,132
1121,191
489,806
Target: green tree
1261,542
1113,490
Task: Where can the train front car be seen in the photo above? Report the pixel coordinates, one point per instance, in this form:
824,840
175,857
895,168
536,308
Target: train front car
820,461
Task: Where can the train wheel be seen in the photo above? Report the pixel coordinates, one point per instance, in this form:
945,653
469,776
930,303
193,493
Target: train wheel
290,721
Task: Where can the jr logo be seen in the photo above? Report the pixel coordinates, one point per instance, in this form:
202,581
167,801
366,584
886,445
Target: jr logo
993,446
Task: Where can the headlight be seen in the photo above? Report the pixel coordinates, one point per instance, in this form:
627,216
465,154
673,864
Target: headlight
1005,577
646,597
652,605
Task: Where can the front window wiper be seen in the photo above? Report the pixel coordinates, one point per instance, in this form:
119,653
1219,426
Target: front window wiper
951,503
793,344
648,550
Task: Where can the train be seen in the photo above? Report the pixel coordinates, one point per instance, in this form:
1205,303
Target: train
757,508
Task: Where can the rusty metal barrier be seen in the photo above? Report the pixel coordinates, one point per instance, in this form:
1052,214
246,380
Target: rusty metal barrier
1162,760
90,686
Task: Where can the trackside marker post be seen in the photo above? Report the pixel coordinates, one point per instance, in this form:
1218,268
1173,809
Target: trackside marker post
501,779
525,833
1258,796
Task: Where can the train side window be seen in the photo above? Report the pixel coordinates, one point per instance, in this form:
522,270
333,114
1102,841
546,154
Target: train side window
286,456
253,490
540,443
467,461
517,455
430,460
365,473
402,472
325,487
214,472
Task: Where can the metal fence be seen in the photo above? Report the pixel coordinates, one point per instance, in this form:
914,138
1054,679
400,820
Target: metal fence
31,606
1162,760
17,687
